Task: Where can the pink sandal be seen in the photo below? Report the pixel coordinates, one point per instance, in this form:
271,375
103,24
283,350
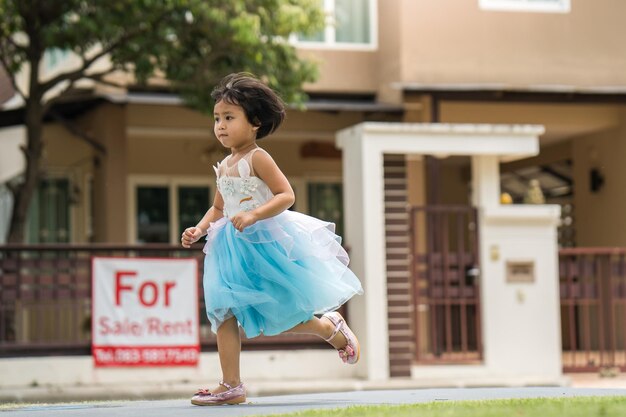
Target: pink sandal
233,395
351,352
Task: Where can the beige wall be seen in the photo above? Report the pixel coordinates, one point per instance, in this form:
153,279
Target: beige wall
343,70
168,140
455,180
171,140
68,156
455,42
562,121
107,125
170,116
451,41
389,58
158,156
600,219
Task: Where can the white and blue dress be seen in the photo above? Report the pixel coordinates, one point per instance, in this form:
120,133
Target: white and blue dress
278,272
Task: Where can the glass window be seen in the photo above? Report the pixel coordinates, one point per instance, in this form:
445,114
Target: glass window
6,207
153,213
352,21
193,202
349,22
326,203
49,212
164,211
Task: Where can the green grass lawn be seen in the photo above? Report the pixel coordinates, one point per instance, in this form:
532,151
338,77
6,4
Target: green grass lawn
539,407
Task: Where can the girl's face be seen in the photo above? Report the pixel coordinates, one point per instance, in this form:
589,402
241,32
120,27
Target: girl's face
232,127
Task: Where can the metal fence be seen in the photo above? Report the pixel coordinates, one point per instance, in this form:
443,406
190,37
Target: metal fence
593,308
45,299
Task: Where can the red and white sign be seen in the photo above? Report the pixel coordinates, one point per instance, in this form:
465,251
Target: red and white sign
145,312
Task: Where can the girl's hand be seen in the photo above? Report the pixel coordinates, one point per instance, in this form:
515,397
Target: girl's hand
243,219
190,236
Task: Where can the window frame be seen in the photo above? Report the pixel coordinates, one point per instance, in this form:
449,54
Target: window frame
327,180
329,41
299,183
301,187
172,183
77,220
71,211
563,6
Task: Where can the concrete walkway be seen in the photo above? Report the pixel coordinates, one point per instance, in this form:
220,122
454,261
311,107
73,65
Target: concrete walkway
293,403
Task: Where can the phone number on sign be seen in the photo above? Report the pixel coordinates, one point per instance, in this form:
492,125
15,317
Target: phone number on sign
117,356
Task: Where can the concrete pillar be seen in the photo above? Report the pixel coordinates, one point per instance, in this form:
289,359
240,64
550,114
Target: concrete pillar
364,224
485,181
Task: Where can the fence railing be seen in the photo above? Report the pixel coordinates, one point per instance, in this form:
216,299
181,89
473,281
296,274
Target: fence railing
593,308
45,303
45,299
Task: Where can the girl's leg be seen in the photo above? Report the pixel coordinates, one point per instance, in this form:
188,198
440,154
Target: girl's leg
322,328
229,349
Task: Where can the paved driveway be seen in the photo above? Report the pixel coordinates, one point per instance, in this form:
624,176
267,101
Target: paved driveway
292,403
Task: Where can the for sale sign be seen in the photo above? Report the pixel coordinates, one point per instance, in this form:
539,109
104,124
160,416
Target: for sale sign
145,312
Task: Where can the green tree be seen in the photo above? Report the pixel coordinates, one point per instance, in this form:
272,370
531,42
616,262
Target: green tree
192,43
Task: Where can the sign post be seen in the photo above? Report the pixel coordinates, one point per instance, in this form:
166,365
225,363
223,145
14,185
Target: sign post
145,312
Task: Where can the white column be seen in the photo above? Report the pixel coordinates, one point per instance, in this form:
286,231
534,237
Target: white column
365,234
485,180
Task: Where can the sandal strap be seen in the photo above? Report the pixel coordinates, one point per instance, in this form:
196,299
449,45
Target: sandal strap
337,330
227,385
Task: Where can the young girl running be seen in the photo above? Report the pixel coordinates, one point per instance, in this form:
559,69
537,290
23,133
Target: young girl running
267,269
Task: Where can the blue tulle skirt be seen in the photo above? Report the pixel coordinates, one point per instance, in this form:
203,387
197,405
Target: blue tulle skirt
275,274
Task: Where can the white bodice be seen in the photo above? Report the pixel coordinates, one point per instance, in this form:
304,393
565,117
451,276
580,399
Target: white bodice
240,189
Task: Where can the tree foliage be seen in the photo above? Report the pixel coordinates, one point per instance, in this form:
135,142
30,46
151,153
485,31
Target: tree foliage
192,43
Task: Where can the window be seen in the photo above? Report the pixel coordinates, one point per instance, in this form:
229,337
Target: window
153,215
49,212
192,205
161,210
326,203
349,23
547,6
6,207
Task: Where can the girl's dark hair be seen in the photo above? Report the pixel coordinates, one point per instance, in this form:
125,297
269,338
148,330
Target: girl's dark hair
260,103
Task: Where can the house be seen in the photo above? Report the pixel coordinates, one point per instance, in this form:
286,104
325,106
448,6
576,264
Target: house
553,63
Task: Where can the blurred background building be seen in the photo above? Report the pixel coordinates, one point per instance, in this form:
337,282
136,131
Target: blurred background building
145,174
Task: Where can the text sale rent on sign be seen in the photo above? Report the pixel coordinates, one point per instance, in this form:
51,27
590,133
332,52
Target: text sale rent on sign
145,312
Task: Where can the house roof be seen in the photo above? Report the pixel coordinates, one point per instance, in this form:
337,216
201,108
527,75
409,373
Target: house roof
531,93
74,107
67,109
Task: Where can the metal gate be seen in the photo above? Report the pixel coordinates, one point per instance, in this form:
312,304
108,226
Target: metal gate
446,290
